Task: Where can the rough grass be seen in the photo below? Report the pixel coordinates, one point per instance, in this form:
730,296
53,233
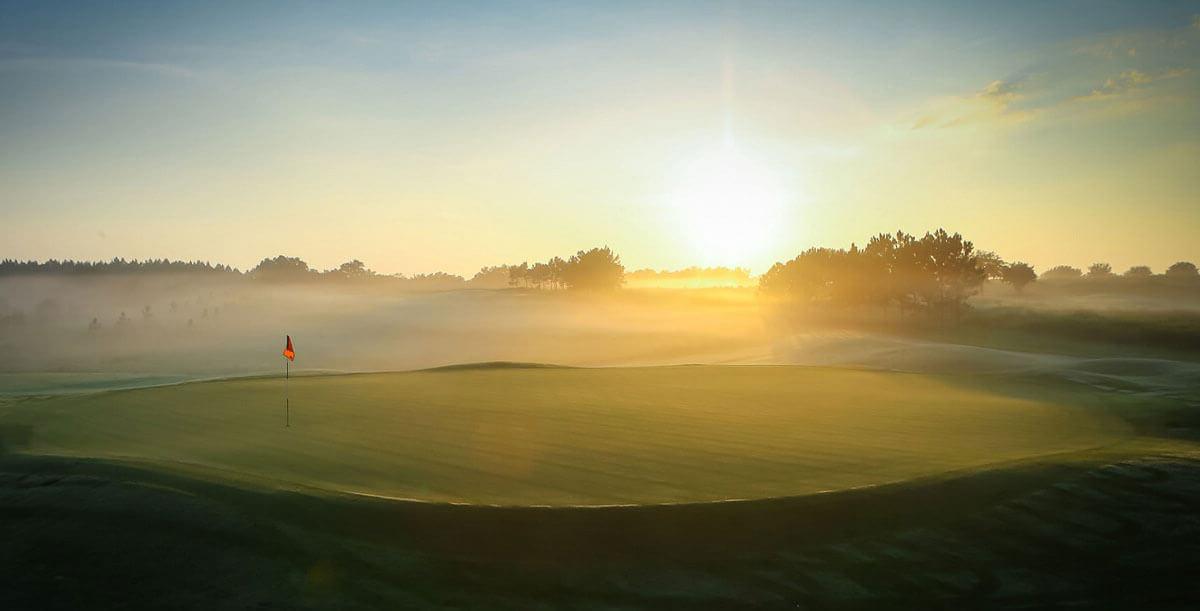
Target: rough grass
549,436
1096,332
1109,528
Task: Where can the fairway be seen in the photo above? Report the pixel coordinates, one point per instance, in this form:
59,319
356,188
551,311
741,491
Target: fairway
558,436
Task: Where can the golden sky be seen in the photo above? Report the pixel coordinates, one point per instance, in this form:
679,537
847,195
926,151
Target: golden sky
447,138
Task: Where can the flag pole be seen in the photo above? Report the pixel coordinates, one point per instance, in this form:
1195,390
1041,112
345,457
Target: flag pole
289,353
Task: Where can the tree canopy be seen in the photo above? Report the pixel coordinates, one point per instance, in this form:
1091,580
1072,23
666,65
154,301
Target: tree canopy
1182,269
937,271
1062,272
282,269
598,269
1019,275
1100,270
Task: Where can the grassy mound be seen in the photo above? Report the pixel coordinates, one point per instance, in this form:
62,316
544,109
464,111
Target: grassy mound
557,436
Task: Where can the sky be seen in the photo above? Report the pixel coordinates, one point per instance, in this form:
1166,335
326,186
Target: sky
449,136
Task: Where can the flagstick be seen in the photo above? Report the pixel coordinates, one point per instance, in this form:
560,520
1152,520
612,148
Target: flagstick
287,408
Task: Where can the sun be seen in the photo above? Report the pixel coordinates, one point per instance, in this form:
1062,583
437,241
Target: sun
728,205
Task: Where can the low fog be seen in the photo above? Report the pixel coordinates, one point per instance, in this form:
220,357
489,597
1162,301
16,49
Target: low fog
187,326
196,327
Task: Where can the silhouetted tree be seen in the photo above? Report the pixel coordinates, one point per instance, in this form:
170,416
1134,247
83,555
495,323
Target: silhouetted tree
557,267
598,269
884,249
436,281
11,267
1182,269
991,264
913,278
807,280
548,275
1100,270
955,268
939,271
282,269
1019,275
351,271
1061,272
540,275
1139,271
495,277
518,275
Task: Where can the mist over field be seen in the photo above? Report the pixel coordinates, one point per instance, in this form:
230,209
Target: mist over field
234,328
191,326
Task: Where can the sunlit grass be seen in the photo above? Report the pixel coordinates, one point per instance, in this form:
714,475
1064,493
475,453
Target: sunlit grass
570,436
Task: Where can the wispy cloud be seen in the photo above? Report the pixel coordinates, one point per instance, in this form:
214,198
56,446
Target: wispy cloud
1123,72
1128,82
994,102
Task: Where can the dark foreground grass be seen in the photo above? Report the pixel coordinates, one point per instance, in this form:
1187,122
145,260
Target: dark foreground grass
1110,527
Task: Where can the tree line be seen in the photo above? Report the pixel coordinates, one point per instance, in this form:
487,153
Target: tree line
293,270
588,270
1183,270
595,269
937,272
598,269
13,267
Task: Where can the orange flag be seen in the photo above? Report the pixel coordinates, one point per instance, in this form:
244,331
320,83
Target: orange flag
288,350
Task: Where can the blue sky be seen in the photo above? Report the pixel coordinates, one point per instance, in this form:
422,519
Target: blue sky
387,131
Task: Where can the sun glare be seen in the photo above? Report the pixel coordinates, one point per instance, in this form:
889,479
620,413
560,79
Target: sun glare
728,205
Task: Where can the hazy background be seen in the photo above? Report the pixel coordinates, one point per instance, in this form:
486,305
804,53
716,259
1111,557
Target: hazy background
139,328
237,327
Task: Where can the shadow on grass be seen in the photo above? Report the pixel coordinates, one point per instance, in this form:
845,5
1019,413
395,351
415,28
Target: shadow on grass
15,437
556,535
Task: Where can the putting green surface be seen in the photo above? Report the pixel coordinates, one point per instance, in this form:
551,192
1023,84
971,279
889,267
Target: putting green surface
549,436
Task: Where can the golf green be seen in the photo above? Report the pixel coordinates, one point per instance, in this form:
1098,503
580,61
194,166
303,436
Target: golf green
561,436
